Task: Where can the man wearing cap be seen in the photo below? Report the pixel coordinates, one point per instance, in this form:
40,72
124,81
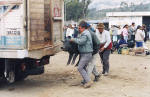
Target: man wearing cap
105,46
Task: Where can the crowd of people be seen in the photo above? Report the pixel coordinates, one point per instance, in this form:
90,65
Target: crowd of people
93,42
128,36
90,43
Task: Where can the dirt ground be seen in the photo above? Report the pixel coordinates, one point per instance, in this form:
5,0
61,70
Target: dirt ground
129,77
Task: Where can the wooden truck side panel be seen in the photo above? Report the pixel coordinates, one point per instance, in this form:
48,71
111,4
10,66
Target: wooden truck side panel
45,24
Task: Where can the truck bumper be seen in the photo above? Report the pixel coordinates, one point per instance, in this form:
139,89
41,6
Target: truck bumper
35,71
13,53
35,54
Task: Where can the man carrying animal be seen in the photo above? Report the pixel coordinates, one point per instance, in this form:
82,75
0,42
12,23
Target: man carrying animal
85,47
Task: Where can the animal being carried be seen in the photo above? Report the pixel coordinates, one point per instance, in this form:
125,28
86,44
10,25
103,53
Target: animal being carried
72,49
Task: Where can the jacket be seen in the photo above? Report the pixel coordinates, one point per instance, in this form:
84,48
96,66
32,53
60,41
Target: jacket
140,35
96,42
84,42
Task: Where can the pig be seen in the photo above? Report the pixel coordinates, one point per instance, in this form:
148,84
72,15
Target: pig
72,49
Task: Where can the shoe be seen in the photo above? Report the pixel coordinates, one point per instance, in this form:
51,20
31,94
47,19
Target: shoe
103,72
97,78
88,84
106,74
83,82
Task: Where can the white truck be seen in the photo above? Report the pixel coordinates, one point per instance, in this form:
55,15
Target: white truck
30,32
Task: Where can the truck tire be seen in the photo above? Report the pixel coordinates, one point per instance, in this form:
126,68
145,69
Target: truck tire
11,77
9,71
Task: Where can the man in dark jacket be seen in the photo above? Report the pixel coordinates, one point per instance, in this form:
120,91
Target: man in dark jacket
91,68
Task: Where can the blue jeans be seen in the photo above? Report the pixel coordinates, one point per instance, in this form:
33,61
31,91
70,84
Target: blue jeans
139,44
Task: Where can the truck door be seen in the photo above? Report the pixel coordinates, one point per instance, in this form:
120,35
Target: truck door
39,25
45,23
12,34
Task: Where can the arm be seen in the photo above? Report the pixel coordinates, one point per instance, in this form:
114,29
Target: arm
142,34
81,40
108,40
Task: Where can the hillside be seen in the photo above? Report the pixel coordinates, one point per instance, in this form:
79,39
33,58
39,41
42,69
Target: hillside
99,14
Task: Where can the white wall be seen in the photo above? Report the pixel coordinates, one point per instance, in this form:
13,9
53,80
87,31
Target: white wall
125,20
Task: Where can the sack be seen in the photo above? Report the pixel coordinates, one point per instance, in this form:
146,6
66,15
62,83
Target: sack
131,44
125,51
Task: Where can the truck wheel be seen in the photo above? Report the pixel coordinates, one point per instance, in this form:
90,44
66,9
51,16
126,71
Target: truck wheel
9,72
11,77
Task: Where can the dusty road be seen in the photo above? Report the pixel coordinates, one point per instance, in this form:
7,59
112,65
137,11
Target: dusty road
129,77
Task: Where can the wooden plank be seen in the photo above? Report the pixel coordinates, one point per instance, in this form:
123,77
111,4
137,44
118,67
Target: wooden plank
33,10
36,1
37,6
37,17
37,27
37,21
11,2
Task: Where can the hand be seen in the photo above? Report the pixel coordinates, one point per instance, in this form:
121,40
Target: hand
102,49
71,40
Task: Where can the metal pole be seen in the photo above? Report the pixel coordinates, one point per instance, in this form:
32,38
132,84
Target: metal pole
65,11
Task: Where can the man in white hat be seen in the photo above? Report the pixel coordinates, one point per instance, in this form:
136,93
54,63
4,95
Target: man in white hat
105,47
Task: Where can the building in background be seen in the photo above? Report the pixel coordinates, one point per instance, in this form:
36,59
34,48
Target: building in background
122,18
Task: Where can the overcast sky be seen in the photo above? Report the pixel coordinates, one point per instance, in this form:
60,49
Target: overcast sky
103,4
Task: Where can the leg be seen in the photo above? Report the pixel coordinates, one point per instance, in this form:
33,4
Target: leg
126,38
78,61
116,37
101,57
84,60
91,68
70,58
74,58
106,60
95,72
134,38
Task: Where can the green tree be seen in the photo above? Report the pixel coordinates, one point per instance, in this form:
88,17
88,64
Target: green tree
77,9
85,4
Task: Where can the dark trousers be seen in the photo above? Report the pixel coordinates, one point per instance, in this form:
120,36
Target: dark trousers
105,60
133,37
